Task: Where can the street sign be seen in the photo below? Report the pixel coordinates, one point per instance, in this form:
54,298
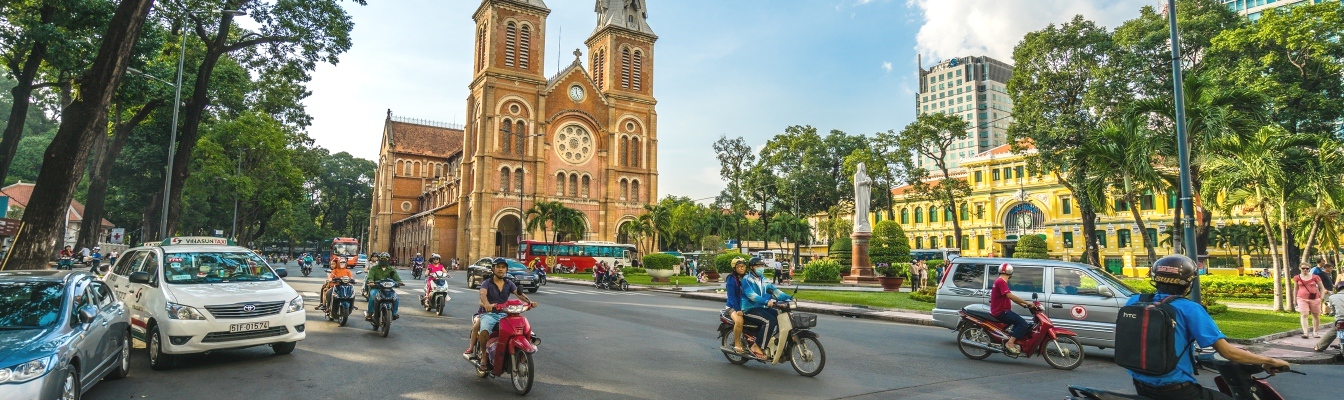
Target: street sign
219,233
9,227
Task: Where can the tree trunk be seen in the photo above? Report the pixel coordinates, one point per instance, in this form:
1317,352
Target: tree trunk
1287,259
22,96
1311,239
99,170
1091,252
1273,258
64,161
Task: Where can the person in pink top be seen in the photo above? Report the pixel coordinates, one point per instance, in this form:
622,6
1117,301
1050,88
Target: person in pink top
434,266
1310,292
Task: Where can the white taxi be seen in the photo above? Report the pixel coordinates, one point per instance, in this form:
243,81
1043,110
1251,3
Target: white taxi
198,294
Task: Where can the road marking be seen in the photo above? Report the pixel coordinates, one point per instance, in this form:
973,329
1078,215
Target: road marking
402,292
310,294
455,291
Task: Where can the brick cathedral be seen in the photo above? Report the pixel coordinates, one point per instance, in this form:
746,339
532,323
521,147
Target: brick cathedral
586,137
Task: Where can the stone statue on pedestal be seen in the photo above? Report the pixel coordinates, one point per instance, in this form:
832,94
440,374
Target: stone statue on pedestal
862,199
862,268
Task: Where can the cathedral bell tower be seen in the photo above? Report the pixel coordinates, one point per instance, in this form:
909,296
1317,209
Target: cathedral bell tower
620,49
511,38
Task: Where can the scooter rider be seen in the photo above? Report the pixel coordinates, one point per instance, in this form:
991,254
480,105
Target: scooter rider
338,270
493,291
434,266
380,271
999,297
758,296
1172,276
733,286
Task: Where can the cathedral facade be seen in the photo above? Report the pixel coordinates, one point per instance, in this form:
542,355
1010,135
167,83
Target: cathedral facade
585,137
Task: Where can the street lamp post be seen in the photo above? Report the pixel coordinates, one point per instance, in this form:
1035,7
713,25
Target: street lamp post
1183,148
522,215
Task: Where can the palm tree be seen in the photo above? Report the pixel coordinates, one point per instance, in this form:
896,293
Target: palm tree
1124,154
541,213
570,224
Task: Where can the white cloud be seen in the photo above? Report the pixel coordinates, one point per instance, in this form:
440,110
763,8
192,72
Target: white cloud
886,65
956,28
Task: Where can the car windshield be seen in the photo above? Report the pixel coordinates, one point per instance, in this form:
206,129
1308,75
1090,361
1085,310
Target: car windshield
204,267
1121,289
30,305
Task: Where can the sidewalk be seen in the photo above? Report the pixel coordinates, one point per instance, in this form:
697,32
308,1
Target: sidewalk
1289,346
578,282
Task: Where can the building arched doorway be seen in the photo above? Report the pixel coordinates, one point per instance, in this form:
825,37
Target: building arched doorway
507,231
1020,220
623,234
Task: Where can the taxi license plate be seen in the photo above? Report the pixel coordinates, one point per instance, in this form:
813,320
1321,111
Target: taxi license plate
250,326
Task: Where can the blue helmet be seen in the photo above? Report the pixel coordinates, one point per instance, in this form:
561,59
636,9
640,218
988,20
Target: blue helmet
500,261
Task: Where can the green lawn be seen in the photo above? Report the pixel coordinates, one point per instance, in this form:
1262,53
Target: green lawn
1247,324
640,279
870,299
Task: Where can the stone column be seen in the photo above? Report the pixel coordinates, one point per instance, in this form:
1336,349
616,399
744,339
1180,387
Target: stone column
862,271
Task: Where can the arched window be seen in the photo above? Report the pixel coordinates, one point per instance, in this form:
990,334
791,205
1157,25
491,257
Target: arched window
506,137
504,180
586,183
510,43
521,136
624,148
480,49
625,68
600,67
933,214
634,191
905,215
560,184
573,185
625,189
638,73
919,242
518,178
524,46
635,159
919,215
400,168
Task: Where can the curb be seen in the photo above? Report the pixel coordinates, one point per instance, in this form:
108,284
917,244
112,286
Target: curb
852,312
1259,344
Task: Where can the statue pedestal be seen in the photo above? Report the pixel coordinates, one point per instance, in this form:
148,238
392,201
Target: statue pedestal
862,271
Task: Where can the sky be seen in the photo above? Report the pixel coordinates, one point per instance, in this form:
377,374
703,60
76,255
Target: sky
746,68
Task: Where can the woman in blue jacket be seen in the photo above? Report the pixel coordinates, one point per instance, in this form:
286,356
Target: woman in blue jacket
757,297
733,285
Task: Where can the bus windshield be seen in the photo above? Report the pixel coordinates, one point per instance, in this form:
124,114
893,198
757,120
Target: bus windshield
345,249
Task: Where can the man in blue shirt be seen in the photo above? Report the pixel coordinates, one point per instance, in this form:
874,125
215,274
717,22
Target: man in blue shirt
1172,276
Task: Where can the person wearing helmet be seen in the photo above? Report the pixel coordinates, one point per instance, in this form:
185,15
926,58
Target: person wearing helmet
381,270
758,298
1172,276
434,266
1000,306
733,286
1336,302
495,290
338,271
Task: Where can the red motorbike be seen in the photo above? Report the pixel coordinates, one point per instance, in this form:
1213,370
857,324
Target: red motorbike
981,335
510,347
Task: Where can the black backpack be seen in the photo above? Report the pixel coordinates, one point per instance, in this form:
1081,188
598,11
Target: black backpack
1145,336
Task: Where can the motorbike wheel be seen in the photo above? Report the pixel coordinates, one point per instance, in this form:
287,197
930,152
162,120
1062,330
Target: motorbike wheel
522,372
726,341
385,323
807,357
438,306
344,315
625,286
306,272
975,335
1063,353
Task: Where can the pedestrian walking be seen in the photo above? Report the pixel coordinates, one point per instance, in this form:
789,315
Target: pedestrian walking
1309,297
921,275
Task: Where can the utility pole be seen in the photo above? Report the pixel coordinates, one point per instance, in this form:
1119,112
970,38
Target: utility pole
1183,148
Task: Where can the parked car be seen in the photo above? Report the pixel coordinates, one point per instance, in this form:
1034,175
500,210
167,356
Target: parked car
522,276
1078,297
61,333
362,261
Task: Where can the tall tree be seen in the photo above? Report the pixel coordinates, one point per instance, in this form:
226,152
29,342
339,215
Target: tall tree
735,159
1123,156
1059,98
82,121
932,136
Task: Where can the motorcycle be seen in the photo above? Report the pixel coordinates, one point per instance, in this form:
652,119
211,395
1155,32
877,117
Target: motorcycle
385,298
1236,380
307,269
615,281
794,343
417,270
981,335
510,348
342,300
541,276
437,296
561,269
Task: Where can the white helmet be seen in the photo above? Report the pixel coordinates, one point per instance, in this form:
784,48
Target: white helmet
434,255
1006,269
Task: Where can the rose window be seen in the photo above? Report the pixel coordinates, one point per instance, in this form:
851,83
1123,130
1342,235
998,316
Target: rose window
574,144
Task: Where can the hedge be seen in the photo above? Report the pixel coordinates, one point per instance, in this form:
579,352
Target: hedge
1031,246
821,271
660,261
1220,286
842,252
723,263
889,245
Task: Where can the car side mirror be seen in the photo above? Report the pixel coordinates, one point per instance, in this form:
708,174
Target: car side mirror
140,277
281,272
87,313
1105,291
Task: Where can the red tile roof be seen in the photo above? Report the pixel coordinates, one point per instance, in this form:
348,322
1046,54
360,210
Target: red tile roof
20,193
424,140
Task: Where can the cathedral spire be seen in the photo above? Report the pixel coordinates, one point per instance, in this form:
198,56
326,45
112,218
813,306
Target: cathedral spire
628,14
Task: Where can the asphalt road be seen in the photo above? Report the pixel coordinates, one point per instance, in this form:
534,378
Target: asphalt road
611,345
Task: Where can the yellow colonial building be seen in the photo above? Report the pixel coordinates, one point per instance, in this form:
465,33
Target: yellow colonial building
1008,202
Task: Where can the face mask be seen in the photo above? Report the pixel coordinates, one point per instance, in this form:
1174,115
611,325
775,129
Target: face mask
760,271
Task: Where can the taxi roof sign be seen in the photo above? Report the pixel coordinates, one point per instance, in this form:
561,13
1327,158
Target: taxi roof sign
197,240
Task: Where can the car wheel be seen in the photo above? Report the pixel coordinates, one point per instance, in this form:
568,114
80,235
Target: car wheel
70,388
123,359
158,360
283,348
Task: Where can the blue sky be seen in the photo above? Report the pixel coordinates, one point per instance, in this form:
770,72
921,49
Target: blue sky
737,67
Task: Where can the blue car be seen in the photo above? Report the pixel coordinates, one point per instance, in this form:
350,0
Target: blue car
60,333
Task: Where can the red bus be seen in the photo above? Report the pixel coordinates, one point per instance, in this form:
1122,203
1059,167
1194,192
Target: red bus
346,249
583,256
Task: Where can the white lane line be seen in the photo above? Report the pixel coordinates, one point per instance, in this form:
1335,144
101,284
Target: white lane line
310,294
402,292
455,291
643,294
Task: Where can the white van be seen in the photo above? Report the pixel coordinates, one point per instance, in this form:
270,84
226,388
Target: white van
198,294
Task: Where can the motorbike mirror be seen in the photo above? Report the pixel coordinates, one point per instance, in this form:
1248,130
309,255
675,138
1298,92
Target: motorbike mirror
281,272
1033,296
1105,291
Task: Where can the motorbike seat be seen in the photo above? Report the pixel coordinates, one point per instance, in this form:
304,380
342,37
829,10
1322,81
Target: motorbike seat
981,314
1082,393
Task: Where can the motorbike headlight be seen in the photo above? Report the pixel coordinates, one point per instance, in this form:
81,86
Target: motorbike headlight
178,311
27,371
388,285
345,279
296,305
515,309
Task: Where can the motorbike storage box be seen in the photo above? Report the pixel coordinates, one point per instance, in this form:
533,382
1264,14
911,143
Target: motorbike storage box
803,320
